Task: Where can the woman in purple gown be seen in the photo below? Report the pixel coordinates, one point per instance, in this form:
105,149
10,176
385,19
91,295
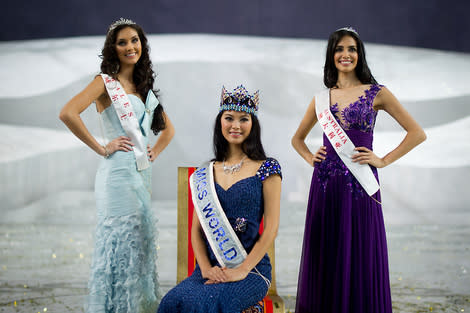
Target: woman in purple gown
344,264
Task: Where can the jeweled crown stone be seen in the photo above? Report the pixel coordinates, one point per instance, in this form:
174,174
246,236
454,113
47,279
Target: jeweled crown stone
239,100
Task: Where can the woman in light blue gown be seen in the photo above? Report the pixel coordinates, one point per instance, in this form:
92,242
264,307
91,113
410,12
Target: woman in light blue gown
123,272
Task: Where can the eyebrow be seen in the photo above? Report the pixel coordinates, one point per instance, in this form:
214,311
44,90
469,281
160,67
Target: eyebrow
231,114
123,39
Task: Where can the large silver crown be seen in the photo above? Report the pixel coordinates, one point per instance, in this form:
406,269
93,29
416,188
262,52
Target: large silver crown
239,100
121,21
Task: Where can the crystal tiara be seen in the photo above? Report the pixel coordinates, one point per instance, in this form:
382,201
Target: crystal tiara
239,100
349,29
119,22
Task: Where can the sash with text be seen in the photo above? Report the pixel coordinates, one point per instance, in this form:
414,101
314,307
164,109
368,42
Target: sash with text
342,144
219,232
128,120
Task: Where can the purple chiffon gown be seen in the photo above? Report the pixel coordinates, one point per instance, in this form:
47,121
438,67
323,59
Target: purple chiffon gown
344,265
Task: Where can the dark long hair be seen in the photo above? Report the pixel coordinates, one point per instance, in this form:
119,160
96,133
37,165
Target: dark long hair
143,75
330,72
252,145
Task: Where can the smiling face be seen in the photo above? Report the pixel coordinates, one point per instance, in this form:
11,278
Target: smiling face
236,126
346,55
128,46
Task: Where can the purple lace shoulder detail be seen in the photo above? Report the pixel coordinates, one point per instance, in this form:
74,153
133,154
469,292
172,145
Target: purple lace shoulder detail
269,167
360,114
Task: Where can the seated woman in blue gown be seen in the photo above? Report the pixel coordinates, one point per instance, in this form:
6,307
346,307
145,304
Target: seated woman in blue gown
248,187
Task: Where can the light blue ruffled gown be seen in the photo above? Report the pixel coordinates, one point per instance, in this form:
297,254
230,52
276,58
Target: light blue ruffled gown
123,272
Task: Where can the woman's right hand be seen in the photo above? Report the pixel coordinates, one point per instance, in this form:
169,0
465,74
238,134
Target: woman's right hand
121,143
214,275
319,156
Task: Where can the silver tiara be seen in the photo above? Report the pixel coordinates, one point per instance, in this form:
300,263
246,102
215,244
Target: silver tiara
349,29
119,22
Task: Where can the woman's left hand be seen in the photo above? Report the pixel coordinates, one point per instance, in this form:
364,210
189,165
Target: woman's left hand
232,274
151,155
235,274
366,156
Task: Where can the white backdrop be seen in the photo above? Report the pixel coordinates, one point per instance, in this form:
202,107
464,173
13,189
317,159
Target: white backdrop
38,156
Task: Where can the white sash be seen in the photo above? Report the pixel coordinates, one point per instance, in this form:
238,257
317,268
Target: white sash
342,144
219,232
129,122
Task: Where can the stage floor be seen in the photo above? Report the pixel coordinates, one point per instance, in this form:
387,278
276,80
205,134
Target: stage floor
46,247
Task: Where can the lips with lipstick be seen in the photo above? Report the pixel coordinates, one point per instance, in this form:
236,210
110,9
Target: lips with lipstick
235,134
345,62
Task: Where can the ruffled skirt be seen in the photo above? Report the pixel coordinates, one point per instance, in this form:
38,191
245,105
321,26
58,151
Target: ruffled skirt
123,275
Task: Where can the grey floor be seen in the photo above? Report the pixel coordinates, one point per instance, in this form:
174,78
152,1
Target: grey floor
45,257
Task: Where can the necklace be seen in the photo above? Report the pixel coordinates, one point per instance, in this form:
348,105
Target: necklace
231,169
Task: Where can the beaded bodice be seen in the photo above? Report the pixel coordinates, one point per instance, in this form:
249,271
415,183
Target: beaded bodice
243,203
359,115
358,121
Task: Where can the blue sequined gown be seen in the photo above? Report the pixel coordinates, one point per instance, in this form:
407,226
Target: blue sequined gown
243,205
123,273
344,265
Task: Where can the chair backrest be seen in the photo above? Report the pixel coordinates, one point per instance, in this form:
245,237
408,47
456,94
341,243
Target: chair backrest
186,259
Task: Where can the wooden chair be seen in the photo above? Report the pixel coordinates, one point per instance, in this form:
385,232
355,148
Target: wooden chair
273,303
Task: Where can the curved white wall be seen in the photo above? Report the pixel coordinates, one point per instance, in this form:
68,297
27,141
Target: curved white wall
40,76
